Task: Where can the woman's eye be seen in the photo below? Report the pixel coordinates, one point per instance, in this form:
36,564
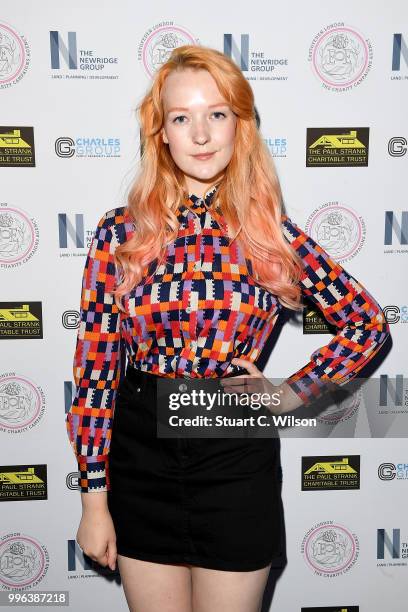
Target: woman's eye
179,118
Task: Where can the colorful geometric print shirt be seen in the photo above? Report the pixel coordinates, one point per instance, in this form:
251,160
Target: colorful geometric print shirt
200,310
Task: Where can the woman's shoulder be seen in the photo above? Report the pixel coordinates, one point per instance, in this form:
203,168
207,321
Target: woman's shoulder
119,222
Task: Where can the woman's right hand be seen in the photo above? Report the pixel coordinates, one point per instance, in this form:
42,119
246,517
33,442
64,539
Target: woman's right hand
96,536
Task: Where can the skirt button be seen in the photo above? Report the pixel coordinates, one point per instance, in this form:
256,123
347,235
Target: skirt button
138,389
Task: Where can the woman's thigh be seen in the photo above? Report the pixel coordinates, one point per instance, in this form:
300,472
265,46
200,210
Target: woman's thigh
150,587
224,591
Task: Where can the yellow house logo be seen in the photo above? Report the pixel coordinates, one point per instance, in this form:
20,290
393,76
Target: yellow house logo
21,320
20,477
13,139
314,322
338,141
17,149
332,467
337,146
17,314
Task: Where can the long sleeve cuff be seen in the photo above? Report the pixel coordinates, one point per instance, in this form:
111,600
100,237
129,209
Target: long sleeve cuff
308,383
94,473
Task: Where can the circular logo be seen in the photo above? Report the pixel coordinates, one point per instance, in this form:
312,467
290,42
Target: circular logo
330,549
22,403
340,410
23,561
341,57
158,43
18,237
14,56
338,229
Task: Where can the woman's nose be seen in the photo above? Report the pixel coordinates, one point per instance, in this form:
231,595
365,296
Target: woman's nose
200,133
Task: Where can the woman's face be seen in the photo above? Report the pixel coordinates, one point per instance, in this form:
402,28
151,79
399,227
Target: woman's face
197,121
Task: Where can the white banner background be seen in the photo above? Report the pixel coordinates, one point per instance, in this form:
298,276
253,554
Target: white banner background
103,108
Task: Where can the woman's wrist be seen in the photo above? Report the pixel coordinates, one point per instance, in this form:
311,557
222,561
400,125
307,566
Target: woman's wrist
94,502
289,400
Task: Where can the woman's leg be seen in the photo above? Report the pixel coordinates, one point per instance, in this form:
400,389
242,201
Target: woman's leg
150,587
223,591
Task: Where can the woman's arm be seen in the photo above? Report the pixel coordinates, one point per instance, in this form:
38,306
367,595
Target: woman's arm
346,304
96,365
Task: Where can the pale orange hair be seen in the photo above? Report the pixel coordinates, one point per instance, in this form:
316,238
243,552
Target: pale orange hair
249,195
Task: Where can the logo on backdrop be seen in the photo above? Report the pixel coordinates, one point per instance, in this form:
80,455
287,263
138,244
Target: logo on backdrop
314,321
72,481
255,63
23,482
391,550
17,147
344,407
332,609
396,314
277,146
18,237
24,561
338,229
341,57
397,146
337,147
330,549
69,395
393,471
67,147
70,62
22,403
396,231
393,394
330,472
158,42
74,240
70,319
14,56
21,320
399,50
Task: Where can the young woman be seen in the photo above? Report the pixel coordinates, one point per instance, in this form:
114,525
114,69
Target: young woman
188,280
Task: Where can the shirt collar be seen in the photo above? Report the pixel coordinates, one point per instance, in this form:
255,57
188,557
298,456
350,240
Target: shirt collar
195,204
195,201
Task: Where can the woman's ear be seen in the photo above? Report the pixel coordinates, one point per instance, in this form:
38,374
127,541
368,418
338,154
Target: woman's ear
164,136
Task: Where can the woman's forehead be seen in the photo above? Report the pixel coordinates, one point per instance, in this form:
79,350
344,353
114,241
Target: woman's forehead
186,88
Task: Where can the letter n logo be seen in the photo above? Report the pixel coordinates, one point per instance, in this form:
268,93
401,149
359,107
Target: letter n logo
240,55
68,52
66,228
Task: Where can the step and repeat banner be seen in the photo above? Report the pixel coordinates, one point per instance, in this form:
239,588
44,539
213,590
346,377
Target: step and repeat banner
331,90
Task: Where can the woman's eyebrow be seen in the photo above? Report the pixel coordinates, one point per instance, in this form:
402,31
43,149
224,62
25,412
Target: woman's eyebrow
181,108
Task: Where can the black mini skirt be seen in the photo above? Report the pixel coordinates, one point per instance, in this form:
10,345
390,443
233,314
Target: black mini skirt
210,502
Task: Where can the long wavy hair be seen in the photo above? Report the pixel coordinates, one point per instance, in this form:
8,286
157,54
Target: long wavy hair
248,195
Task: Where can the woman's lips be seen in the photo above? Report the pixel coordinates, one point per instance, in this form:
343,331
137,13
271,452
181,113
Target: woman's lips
204,157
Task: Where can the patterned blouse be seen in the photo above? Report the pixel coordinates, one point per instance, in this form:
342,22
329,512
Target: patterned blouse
200,310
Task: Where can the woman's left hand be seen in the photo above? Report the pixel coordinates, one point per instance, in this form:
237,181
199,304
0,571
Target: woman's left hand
253,382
